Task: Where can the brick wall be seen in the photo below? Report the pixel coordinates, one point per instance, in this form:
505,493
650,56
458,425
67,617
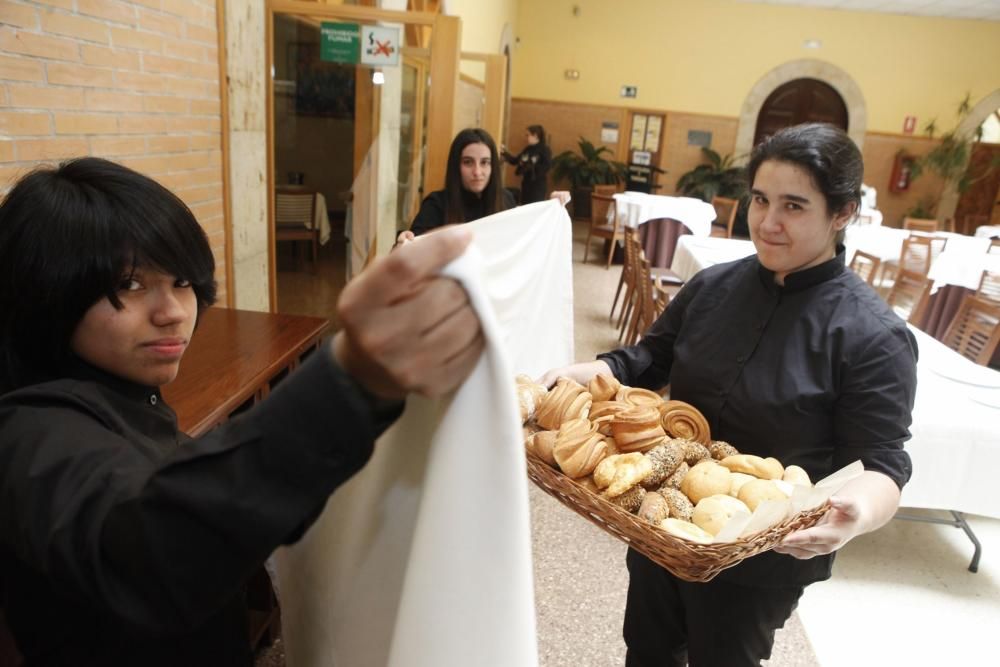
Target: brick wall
135,81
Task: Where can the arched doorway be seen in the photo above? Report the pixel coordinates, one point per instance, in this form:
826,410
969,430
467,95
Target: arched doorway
800,101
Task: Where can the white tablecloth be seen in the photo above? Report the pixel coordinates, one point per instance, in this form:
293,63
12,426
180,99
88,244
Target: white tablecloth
322,219
423,559
988,231
694,253
956,438
635,208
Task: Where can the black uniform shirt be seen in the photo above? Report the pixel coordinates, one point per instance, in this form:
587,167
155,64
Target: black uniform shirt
123,542
433,210
817,373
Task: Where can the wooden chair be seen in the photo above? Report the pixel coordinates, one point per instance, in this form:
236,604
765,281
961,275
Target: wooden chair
989,286
600,204
975,331
921,225
295,218
866,266
920,250
725,216
908,295
651,300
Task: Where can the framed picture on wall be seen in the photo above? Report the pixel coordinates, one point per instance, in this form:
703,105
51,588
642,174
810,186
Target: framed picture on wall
321,88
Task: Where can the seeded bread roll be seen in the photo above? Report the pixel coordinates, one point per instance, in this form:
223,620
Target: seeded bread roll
654,508
707,478
757,491
712,513
603,387
665,459
720,449
679,505
674,481
567,400
631,500
695,452
769,468
686,531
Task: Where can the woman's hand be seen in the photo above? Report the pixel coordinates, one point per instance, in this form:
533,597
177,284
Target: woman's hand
562,195
863,505
405,236
581,373
405,328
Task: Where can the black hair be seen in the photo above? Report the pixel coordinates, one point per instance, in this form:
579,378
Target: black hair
826,152
539,132
68,237
492,195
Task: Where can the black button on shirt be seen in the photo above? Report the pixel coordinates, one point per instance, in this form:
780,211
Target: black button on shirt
831,380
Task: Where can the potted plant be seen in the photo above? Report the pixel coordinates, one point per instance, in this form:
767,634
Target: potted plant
584,170
717,177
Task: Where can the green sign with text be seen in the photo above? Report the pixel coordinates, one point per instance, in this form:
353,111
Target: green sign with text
340,43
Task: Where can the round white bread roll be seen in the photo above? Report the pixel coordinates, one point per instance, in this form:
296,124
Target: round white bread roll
769,468
712,513
686,531
736,482
755,492
796,475
708,478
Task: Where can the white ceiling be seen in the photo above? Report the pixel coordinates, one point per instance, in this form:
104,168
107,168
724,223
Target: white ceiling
956,9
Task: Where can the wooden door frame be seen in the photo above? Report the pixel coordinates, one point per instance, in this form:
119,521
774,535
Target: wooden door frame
445,37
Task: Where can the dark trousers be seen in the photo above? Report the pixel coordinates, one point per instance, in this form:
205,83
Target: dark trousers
670,622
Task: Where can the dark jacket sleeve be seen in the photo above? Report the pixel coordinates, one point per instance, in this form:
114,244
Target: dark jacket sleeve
165,544
432,213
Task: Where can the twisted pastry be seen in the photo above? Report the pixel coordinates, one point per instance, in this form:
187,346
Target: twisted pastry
567,400
602,413
579,448
636,396
603,387
682,420
637,429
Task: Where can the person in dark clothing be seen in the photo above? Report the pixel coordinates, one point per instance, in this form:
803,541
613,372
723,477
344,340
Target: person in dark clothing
471,189
532,165
787,354
123,541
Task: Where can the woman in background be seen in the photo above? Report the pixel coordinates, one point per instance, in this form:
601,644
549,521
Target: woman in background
471,188
532,165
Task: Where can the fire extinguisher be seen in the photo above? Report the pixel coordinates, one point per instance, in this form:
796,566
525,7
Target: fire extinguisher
902,169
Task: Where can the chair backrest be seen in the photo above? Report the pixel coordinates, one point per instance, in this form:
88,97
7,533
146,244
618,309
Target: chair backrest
920,250
600,205
989,286
631,254
606,189
866,266
295,207
725,213
908,295
975,331
920,224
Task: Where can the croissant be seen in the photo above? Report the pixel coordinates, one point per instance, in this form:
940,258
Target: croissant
621,472
636,396
637,429
567,400
579,448
682,420
603,387
529,396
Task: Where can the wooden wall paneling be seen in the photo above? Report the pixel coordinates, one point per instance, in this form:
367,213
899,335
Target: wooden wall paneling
447,39
678,157
496,94
879,152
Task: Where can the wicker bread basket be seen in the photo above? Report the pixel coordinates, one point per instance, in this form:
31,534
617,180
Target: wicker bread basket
689,561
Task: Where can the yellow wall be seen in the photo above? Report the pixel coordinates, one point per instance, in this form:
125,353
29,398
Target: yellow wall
483,22
703,56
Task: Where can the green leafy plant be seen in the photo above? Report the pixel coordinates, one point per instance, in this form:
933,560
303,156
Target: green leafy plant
950,158
717,177
589,167
923,209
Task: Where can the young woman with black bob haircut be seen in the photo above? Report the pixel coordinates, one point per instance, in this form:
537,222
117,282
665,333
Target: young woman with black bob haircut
532,165
123,541
788,354
471,188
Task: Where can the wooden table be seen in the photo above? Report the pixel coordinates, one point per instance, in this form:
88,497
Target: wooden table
235,358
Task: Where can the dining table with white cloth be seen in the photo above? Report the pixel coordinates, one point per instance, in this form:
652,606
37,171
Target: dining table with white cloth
988,231
635,208
695,253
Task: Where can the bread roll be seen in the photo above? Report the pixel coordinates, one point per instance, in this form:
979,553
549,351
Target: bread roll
755,492
637,429
541,445
653,509
664,458
678,504
683,420
675,479
708,478
603,387
720,449
736,482
713,512
769,468
631,500
796,475
578,448
694,452
686,531
529,396
620,472
567,400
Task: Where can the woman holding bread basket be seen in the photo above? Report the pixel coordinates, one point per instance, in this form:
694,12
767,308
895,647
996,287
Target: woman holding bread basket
789,355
